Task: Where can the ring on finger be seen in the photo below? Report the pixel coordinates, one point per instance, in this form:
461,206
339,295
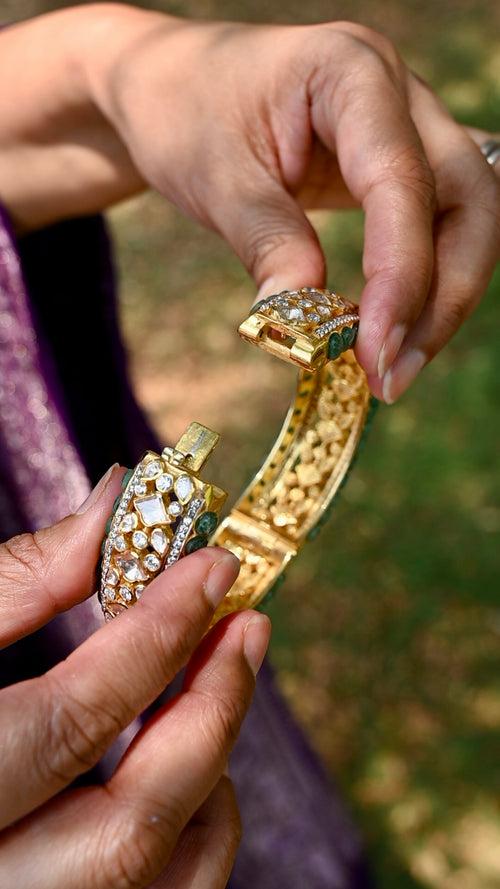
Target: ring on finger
491,151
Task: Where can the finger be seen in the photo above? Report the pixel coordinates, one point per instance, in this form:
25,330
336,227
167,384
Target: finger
48,572
59,725
366,120
481,137
206,849
467,238
270,233
124,834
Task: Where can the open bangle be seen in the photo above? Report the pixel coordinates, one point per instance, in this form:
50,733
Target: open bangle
166,510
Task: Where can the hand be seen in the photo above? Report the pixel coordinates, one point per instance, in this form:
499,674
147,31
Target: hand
168,812
244,127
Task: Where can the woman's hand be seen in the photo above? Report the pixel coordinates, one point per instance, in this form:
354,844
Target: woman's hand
169,810
244,127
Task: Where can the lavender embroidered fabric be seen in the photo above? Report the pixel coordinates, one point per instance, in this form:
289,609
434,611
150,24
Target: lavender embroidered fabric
57,436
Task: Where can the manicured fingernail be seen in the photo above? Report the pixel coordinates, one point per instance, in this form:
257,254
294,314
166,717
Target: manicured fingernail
221,577
256,640
97,491
402,373
390,348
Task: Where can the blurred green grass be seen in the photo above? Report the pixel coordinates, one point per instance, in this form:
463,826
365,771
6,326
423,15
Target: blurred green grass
387,631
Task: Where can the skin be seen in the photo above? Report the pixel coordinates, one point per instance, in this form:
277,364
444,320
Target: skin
168,816
244,127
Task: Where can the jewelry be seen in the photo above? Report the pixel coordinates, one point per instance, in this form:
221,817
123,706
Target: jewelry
491,151
166,511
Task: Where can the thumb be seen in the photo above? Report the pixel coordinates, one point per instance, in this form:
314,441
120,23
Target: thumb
48,572
274,239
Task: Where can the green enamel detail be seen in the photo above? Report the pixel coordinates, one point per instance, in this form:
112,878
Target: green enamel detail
108,524
103,546
195,543
340,341
115,504
349,336
335,346
126,478
207,523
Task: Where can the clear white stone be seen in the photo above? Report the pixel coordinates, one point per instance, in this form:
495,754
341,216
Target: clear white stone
139,590
152,510
109,592
140,488
291,313
153,469
164,482
313,316
139,539
159,540
131,567
306,303
320,297
120,543
152,562
184,487
175,508
125,593
128,522
112,577
323,310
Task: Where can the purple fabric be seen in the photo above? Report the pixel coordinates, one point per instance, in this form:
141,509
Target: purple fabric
59,430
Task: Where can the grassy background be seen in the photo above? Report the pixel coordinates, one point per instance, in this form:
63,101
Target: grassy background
387,632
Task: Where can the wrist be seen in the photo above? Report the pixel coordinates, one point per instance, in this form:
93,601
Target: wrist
112,36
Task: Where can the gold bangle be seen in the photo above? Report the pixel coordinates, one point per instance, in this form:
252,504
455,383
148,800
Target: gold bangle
167,511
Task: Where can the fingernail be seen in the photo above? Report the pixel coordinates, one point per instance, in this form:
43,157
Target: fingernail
402,373
256,640
97,491
221,577
390,348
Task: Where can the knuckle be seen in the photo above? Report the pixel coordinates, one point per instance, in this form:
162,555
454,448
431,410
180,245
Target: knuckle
455,310
138,844
463,175
222,720
76,735
23,557
263,238
267,238
408,170
169,645
373,39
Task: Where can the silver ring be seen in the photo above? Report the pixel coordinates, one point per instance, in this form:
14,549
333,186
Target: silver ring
491,151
